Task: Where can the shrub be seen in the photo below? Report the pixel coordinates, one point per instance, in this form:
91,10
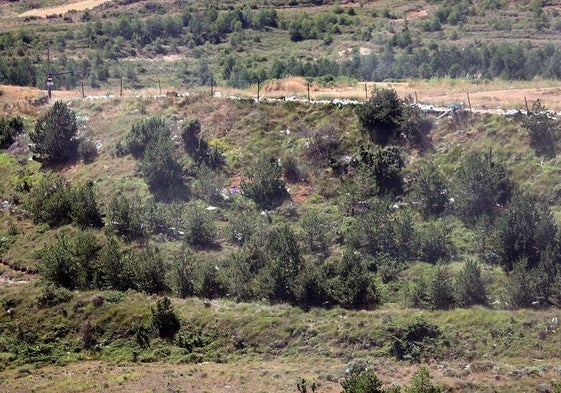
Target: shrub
420,383
263,184
381,116
197,147
160,165
433,242
87,151
415,341
316,229
200,229
181,275
352,285
429,192
149,271
542,130
385,165
481,187
54,138
125,216
58,265
470,288
50,201
143,133
51,295
9,129
362,381
164,319
440,290
84,211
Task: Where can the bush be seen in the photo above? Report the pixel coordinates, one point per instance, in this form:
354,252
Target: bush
470,289
433,242
9,129
200,229
482,186
87,151
440,290
149,271
542,130
143,133
164,319
353,285
415,341
420,383
125,216
381,116
263,184
362,381
160,166
181,275
429,192
51,295
84,211
54,138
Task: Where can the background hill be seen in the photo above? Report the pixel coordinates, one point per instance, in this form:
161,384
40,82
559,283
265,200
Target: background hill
296,239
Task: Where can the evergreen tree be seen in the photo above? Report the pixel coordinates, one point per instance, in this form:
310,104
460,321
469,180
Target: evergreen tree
470,289
54,138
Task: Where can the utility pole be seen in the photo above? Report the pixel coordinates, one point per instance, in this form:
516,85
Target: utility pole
50,81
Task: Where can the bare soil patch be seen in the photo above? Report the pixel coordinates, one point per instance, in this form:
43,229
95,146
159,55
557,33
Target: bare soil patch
63,9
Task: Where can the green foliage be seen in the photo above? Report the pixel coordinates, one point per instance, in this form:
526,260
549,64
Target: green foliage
524,230
316,229
381,116
50,201
469,286
542,129
149,271
481,187
70,264
434,242
420,383
352,285
87,151
415,341
429,192
143,133
362,381
164,319
54,138
181,275
160,166
382,229
125,217
200,229
51,295
10,127
441,290
284,265
385,165
84,210
114,267
263,184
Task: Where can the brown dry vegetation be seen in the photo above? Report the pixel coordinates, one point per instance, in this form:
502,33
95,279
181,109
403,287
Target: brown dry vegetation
72,6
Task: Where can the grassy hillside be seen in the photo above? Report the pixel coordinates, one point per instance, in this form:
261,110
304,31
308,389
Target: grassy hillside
295,239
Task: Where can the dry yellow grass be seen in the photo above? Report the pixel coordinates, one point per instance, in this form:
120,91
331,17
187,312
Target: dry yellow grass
77,6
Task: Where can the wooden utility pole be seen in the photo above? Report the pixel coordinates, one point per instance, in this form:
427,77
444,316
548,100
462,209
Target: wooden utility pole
258,89
469,101
211,87
308,91
121,87
366,90
83,89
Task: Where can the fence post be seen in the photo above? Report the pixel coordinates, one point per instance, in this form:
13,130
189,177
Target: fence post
416,99
258,89
159,87
366,90
469,101
121,87
308,85
83,96
527,109
211,87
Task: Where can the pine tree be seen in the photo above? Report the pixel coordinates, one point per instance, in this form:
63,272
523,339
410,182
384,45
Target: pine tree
54,138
